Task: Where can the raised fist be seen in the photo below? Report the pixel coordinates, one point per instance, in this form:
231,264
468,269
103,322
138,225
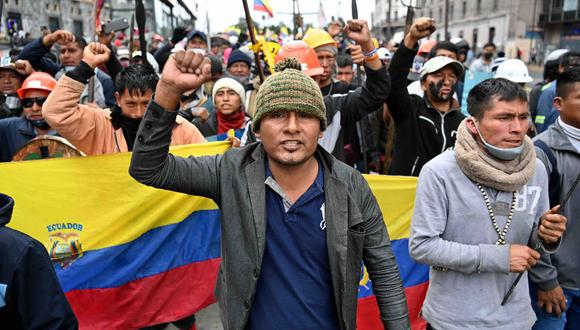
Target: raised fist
60,36
96,54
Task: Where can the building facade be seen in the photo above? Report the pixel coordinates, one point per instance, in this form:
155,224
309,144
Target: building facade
559,24
508,24
30,16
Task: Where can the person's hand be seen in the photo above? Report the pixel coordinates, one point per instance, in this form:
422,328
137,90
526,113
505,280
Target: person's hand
421,28
334,28
552,225
236,143
184,71
522,258
202,114
552,301
60,36
178,34
96,54
23,67
358,30
105,39
356,54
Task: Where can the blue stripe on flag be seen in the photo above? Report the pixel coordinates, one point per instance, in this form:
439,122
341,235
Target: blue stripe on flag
195,239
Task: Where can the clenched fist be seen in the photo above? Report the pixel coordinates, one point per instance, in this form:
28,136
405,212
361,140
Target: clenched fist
96,54
421,28
184,71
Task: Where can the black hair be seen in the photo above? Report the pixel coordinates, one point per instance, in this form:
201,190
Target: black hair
136,77
498,89
490,44
80,41
501,53
551,70
343,60
567,81
447,45
571,58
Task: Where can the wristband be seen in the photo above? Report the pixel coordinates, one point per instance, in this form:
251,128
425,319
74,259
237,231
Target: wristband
371,53
375,56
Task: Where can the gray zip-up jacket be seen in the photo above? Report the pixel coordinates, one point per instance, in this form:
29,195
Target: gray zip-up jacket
451,230
235,181
563,267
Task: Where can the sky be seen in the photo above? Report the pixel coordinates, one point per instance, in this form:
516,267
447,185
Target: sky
223,13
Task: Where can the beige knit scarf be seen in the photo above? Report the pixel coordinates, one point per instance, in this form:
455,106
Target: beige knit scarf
489,171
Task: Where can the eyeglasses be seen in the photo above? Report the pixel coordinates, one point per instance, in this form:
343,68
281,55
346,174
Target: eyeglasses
29,102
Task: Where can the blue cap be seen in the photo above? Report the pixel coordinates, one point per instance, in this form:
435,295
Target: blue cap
196,33
239,56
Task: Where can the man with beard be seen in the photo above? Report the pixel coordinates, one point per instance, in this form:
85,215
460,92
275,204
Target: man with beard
424,126
15,132
97,131
71,53
484,62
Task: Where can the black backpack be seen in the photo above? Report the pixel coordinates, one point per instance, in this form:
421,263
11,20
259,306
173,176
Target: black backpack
554,184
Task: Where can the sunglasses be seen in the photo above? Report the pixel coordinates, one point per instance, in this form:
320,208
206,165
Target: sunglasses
29,102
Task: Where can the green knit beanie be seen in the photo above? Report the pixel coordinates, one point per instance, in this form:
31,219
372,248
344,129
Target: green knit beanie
289,89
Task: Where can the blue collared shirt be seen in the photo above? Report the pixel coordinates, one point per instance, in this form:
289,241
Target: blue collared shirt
294,290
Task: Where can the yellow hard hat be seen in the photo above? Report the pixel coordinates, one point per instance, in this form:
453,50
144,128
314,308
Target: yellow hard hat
318,37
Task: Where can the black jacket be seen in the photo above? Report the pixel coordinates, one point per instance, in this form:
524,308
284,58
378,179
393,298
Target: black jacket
30,294
421,131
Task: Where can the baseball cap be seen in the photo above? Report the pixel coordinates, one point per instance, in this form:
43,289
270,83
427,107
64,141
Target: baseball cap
439,62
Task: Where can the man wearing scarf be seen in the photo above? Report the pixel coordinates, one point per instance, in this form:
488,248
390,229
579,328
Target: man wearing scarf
229,97
478,211
97,131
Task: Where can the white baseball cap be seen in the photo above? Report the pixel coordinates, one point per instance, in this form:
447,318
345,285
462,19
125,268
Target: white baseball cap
439,62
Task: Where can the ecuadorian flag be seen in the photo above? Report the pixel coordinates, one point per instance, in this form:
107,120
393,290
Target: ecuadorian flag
264,5
130,256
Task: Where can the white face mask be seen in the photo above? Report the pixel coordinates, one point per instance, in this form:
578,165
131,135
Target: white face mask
501,153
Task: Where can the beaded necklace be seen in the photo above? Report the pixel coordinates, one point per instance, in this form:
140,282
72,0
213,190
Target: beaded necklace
500,233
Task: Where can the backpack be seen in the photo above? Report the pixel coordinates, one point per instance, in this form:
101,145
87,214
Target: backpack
554,184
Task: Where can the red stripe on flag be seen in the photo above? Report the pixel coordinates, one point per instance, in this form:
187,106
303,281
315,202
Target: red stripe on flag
160,298
368,317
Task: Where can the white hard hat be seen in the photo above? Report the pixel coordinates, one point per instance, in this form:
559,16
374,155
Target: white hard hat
514,70
383,53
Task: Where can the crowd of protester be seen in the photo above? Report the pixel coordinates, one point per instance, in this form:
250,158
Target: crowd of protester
387,110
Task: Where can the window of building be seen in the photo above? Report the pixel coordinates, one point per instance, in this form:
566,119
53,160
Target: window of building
53,23
491,34
460,34
478,7
463,9
440,14
474,39
495,4
396,17
78,27
451,9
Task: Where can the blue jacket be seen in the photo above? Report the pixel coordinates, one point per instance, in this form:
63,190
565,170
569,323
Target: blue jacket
30,294
545,108
34,53
15,132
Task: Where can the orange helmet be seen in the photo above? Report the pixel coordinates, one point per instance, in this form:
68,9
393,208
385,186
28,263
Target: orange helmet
426,46
37,81
304,54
